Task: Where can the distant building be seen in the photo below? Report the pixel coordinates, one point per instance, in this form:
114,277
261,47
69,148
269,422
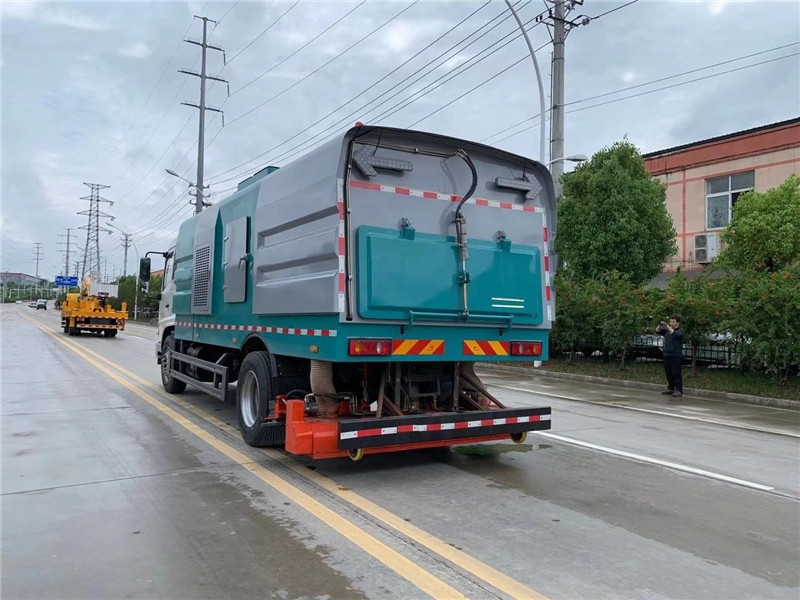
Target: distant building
7,278
705,178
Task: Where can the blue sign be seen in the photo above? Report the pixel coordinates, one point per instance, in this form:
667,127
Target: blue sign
69,281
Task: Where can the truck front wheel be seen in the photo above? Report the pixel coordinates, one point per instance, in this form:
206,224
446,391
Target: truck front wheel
253,399
171,385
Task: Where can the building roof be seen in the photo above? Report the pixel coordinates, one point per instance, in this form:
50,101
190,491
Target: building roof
719,138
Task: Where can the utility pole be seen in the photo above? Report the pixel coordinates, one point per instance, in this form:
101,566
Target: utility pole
38,259
126,242
204,45
66,252
557,110
91,253
559,27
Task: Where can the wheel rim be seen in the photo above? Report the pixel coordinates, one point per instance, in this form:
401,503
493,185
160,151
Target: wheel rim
250,399
520,437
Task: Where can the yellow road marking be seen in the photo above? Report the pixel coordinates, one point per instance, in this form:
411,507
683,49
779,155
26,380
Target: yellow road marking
498,348
460,558
425,581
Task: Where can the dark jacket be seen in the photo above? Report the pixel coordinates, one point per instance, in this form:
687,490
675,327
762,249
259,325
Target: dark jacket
673,343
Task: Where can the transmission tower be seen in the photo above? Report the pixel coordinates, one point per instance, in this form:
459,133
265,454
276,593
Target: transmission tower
91,253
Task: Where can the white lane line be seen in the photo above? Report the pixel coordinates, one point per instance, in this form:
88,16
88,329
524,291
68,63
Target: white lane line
656,461
652,411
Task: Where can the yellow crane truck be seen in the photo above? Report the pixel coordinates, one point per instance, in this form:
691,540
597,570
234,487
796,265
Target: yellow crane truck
91,311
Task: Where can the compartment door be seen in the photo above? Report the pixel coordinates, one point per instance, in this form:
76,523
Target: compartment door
235,261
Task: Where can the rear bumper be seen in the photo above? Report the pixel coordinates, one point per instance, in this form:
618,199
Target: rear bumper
391,431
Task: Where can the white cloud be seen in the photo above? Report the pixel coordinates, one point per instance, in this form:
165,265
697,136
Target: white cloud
74,21
627,76
137,50
716,7
18,10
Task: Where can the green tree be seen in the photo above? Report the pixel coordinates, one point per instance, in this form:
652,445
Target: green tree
577,324
612,216
764,232
623,311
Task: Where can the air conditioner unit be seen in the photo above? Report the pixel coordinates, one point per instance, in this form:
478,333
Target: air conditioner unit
706,247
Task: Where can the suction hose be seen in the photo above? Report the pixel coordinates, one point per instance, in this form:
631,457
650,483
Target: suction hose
323,389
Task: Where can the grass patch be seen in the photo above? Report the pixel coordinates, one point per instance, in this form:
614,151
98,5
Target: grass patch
719,380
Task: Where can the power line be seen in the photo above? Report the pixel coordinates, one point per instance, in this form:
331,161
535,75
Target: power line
659,80
649,92
271,25
407,82
724,62
339,55
311,41
608,12
149,96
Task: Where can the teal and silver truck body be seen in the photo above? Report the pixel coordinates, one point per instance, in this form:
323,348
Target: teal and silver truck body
365,279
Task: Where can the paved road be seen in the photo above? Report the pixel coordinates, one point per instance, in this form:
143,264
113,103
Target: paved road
112,488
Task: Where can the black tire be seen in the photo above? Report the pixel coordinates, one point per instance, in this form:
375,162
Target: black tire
66,327
254,399
171,385
111,332
73,331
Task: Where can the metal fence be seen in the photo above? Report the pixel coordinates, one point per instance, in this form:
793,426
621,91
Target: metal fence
715,351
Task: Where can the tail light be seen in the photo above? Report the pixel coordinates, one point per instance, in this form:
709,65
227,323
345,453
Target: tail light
369,347
526,348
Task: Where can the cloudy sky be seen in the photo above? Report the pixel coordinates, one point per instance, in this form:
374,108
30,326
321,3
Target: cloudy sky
91,92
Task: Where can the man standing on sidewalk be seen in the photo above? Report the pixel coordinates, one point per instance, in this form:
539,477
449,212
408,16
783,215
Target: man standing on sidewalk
673,355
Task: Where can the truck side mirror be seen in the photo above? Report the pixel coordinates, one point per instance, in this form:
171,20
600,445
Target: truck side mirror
144,270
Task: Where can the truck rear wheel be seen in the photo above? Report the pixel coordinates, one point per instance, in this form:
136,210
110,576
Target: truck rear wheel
111,332
171,385
254,396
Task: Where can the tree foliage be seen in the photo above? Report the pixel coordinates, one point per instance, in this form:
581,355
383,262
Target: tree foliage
612,217
762,311
764,232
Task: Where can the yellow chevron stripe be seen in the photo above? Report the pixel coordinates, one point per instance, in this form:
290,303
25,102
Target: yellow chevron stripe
474,347
405,347
498,348
432,346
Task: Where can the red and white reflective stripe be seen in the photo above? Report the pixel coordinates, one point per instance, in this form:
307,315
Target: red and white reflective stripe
341,249
547,291
403,191
350,435
262,329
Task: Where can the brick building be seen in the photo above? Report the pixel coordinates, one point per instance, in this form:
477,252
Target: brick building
705,178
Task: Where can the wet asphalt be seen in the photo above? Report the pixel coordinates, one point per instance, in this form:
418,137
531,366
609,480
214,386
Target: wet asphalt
639,496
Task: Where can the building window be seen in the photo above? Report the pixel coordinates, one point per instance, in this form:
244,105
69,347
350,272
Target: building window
722,193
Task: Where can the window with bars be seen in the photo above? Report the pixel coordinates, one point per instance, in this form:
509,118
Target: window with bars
721,195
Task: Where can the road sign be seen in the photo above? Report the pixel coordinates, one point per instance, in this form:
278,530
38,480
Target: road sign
69,281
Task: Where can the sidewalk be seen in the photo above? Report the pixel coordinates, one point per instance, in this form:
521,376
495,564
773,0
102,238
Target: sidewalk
712,395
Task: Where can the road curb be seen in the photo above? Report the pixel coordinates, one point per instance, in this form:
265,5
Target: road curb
710,394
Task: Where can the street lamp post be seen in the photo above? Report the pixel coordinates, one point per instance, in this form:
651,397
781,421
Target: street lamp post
200,196
538,80
578,158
